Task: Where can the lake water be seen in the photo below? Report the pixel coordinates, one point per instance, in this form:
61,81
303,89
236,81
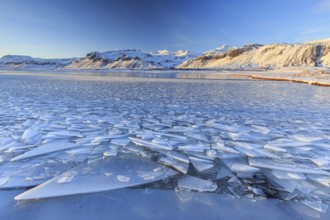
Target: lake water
260,149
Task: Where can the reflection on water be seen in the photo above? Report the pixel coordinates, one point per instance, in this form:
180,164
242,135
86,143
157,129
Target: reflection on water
169,74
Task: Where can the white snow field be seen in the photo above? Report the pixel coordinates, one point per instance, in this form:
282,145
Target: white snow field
99,147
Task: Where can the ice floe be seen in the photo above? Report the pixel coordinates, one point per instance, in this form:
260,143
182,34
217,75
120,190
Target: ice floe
68,145
46,149
194,183
107,174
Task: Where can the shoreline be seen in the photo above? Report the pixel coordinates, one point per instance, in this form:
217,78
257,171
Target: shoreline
283,79
317,77
313,76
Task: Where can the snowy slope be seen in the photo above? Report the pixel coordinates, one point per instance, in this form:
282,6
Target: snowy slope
271,56
132,59
17,62
321,41
223,48
255,56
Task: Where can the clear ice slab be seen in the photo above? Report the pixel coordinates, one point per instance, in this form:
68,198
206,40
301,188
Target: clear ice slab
46,149
284,166
107,174
194,183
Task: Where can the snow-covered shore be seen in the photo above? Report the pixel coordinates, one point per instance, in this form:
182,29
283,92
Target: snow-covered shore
313,76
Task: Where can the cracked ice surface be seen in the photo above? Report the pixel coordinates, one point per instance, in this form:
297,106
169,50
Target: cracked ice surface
243,138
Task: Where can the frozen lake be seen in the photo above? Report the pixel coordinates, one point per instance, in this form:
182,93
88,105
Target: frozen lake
132,147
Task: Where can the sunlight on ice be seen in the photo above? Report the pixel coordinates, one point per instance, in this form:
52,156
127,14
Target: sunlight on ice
71,146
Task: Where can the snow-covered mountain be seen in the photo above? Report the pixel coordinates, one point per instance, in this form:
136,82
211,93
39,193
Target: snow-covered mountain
223,48
132,59
16,62
255,56
309,54
321,41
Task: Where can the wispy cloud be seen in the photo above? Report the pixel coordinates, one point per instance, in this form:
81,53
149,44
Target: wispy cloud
312,31
306,32
323,6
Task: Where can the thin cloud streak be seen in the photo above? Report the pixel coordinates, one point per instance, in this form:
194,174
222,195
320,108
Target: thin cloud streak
323,6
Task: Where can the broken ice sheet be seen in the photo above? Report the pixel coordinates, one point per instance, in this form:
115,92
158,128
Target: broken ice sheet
305,138
257,191
201,164
106,124
266,153
323,161
150,144
4,142
174,163
175,155
18,149
281,184
63,133
197,137
238,167
246,145
125,172
317,205
222,147
288,175
100,139
3,180
194,183
147,175
122,178
175,136
77,151
184,195
305,188
262,129
224,172
275,148
110,153
287,143
145,135
309,208
65,179
30,135
161,141
9,145
246,136
248,152
243,170
285,166
121,142
236,187
323,180
33,173
194,147
46,149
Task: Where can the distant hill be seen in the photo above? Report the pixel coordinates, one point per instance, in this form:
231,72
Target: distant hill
255,56
17,62
132,59
273,56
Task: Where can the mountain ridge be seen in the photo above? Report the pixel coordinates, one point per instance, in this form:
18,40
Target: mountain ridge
132,59
254,56
272,56
23,62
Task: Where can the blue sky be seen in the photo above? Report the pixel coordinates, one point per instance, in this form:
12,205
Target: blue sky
67,28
